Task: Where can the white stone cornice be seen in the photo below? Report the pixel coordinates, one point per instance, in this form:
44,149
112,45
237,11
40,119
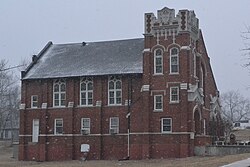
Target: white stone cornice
145,88
146,50
185,48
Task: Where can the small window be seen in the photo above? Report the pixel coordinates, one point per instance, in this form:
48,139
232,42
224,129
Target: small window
166,125
85,129
115,90
158,103
237,124
174,94
174,61
34,101
158,62
58,126
114,125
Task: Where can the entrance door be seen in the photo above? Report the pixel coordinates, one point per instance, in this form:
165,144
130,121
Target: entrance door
35,130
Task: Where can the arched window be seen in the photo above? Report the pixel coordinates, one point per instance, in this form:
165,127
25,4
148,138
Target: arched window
59,93
115,90
86,92
174,61
158,63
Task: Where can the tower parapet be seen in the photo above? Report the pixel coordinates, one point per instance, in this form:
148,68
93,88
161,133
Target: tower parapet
167,24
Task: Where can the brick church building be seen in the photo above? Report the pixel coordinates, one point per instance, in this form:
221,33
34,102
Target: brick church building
151,97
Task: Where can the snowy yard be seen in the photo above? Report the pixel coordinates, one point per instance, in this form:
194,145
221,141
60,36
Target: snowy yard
7,161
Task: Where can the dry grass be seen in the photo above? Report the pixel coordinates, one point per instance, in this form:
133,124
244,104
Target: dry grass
7,161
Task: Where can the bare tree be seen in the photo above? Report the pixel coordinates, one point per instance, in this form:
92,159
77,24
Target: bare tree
9,96
235,107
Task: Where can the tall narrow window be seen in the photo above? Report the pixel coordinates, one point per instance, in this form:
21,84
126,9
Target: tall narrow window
204,126
114,125
59,91
85,129
86,92
158,103
34,101
174,94
158,65
115,90
35,130
174,61
58,126
166,125
201,78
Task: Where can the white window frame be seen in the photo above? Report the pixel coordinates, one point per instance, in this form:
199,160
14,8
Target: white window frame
171,95
162,125
55,126
155,103
88,90
60,92
115,90
34,102
85,130
160,65
114,129
174,56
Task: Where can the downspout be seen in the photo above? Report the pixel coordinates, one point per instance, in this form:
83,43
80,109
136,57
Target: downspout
47,124
129,112
101,117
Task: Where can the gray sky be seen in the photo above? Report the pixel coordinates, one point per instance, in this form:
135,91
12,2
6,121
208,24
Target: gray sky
27,25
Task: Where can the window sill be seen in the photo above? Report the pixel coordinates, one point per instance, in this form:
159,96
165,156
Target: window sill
114,105
160,74
58,134
85,106
34,108
167,132
157,110
174,73
174,102
58,107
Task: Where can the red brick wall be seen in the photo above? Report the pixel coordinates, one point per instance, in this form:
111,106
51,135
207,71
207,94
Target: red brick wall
146,140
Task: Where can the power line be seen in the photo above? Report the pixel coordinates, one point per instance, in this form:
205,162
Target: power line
13,67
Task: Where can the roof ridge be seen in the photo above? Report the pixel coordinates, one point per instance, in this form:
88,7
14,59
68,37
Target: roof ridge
118,40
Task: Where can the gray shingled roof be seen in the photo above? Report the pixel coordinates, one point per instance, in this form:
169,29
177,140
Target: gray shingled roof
95,58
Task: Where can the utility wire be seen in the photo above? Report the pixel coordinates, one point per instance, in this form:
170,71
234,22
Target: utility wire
13,67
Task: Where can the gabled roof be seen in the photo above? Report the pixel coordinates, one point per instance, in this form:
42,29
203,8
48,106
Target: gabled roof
88,59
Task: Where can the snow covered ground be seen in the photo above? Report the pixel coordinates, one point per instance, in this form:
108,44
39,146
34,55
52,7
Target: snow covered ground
6,160
242,163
